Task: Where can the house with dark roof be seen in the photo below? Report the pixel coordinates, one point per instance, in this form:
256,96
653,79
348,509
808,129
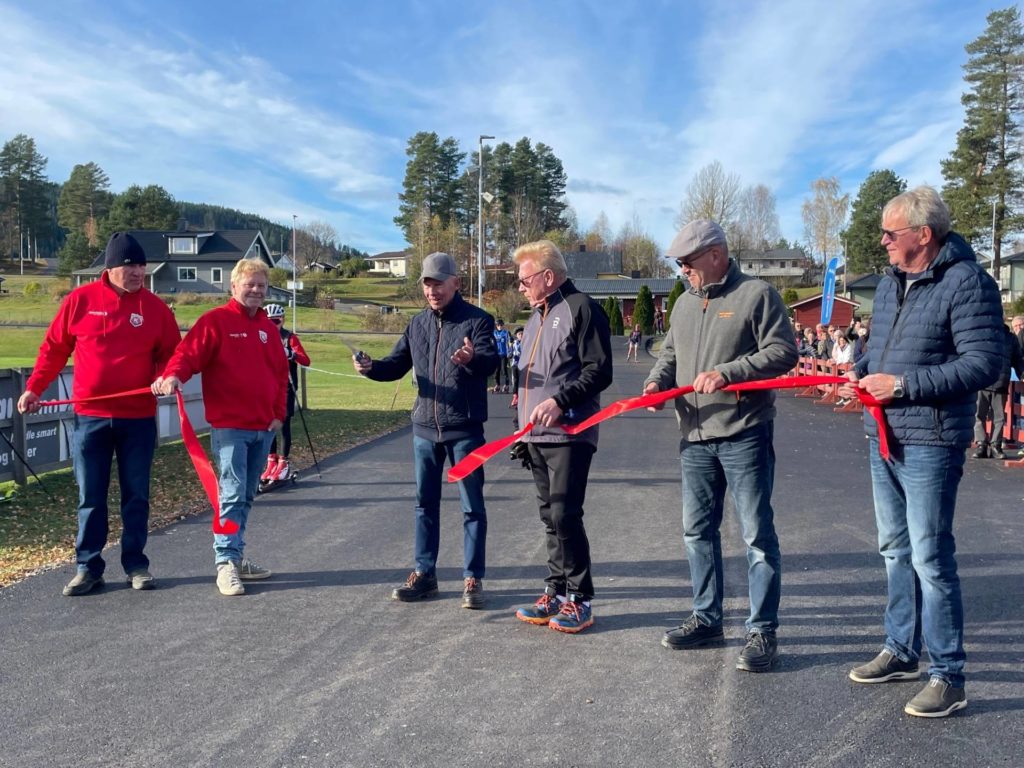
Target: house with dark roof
862,290
808,311
389,264
593,265
190,262
779,266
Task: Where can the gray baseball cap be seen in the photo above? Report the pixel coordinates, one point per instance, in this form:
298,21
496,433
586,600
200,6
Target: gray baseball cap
439,266
695,236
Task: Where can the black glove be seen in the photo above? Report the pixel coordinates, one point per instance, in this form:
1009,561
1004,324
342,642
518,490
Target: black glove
521,452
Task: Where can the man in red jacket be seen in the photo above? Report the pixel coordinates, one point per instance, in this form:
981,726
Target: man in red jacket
121,336
245,384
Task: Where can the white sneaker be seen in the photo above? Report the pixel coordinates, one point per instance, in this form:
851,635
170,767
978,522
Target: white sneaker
249,571
228,581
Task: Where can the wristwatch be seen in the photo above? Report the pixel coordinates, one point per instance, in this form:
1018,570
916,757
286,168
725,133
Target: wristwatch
897,388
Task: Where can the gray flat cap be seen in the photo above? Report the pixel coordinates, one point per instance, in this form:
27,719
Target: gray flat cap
695,236
438,266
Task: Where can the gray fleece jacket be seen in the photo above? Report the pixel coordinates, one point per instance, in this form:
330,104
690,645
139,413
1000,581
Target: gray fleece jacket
739,328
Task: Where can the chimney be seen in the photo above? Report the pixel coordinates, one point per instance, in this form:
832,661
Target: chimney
182,224
583,247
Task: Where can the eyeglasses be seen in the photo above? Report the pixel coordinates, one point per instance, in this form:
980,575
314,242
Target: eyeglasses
525,281
892,233
688,263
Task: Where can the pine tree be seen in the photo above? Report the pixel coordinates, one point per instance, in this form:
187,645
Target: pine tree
643,312
984,170
864,249
677,290
84,199
23,193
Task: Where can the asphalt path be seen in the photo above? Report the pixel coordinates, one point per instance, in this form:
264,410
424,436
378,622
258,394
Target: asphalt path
317,667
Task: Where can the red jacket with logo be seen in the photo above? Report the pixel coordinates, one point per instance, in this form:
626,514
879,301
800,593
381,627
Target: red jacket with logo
245,371
120,342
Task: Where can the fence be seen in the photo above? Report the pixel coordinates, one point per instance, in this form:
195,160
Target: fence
44,438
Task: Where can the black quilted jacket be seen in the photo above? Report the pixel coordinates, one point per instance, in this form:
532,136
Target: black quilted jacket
451,400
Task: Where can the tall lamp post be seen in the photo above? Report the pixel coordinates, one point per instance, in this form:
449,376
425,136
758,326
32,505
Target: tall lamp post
480,227
295,303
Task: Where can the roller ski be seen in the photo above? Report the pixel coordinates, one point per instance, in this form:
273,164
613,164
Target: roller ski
278,473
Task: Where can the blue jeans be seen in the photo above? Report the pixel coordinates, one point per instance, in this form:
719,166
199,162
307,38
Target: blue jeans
915,497
95,442
241,455
430,457
745,464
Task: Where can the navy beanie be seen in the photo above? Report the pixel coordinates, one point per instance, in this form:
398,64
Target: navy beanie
123,249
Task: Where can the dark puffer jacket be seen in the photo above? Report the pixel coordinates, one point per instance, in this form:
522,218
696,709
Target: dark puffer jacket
944,337
451,400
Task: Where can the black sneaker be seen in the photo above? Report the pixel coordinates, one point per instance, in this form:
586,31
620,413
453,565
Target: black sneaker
83,583
760,653
996,453
416,587
937,699
473,594
982,452
693,634
885,667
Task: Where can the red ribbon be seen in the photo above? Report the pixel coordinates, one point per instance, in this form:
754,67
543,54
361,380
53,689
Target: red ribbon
204,469
488,451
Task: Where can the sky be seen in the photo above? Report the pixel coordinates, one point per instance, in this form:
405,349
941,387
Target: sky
304,108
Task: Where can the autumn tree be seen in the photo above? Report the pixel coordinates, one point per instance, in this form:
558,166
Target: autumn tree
984,170
712,194
863,239
824,214
756,225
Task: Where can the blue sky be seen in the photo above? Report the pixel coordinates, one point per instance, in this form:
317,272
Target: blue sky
305,108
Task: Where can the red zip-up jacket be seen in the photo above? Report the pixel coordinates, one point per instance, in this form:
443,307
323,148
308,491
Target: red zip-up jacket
120,342
245,371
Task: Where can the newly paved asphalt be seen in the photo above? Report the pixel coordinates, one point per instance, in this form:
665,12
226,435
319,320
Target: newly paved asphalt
316,667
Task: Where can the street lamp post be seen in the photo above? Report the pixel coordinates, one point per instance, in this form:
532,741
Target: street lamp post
295,303
480,227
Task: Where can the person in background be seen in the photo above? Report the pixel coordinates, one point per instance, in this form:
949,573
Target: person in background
502,343
278,469
514,358
450,348
634,344
121,336
936,340
992,402
245,391
842,350
860,346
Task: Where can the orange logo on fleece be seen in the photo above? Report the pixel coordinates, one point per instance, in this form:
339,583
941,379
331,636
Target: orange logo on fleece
726,314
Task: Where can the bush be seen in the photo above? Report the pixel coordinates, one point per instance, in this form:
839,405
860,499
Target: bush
1017,307
33,288
371,319
188,298
790,296
59,289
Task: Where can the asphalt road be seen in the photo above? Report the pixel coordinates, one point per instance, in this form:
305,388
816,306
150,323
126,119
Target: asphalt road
316,667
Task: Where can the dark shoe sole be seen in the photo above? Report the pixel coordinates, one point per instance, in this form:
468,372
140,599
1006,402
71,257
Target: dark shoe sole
902,676
746,666
940,713
570,630
413,598
704,642
83,589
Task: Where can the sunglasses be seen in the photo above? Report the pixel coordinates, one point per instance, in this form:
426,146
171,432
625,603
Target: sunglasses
893,233
688,263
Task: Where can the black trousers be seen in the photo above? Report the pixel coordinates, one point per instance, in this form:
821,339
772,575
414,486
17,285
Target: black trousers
560,471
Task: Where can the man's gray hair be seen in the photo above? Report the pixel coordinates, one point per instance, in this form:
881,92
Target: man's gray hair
922,207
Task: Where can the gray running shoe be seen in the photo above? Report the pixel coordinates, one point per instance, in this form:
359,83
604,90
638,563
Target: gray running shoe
140,578
249,571
473,594
83,583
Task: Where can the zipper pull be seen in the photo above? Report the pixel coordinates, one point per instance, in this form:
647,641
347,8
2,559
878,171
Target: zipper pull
705,304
